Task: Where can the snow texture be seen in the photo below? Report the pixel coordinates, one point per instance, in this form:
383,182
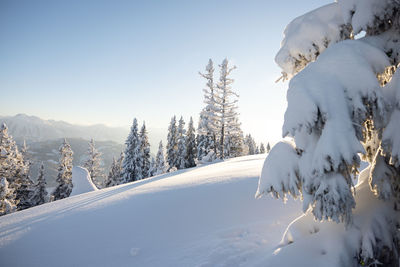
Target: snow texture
365,15
278,174
203,216
329,244
308,36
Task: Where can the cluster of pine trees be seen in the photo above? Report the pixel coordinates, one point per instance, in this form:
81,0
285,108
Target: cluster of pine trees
252,148
219,132
18,191
219,136
135,163
64,177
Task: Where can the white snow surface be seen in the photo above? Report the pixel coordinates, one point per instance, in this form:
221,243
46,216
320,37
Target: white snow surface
81,181
361,14
308,242
203,216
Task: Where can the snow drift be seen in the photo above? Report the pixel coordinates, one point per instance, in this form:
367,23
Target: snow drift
203,216
81,181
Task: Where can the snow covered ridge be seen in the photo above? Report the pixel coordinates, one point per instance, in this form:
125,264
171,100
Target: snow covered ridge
343,107
202,216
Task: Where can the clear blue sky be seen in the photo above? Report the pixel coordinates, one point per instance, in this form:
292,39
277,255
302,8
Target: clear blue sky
106,62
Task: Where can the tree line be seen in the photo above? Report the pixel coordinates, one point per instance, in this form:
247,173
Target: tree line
218,136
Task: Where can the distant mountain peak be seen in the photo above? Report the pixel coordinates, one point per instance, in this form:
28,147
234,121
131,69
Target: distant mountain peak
32,129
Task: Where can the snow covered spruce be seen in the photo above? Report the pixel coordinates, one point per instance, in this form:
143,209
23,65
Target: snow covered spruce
343,107
93,164
17,190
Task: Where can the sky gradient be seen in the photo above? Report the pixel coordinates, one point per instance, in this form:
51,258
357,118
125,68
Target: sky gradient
91,62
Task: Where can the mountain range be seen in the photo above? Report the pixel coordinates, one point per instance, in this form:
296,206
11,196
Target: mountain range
34,129
44,137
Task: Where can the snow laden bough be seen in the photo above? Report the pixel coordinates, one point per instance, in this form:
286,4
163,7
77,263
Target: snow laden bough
343,106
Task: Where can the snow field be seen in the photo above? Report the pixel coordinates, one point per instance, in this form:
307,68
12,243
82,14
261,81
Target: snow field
203,216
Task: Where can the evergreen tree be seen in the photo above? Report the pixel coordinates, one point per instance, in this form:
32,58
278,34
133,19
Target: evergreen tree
228,117
40,195
115,174
234,144
262,148
93,163
9,156
24,187
132,164
64,177
24,150
152,169
268,147
206,146
181,153
14,168
251,145
7,198
191,149
219,126
160,166
172,145
343,106
145,151
208,122
24,192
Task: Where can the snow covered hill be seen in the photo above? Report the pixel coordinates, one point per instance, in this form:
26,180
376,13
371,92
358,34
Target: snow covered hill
204,216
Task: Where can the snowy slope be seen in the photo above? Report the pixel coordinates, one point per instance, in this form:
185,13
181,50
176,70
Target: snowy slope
204,216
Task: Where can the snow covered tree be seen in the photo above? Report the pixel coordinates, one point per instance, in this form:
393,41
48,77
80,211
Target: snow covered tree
160,166
7,198
219,127
115,174
234,144
251,145
132,164
268,148
24,191
92,164
208,122
24,150
64,177
40,195
145,151
181,137
152,169
262,148
343,102
229,132
23,185
191,149
15,169
172,145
